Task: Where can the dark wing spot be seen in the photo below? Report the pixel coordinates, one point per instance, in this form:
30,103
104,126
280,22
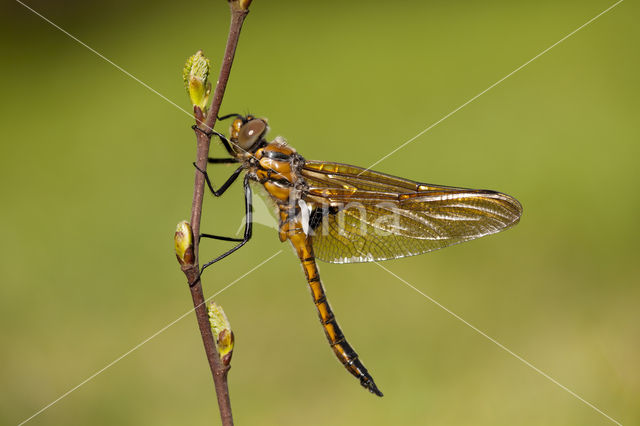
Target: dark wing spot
319,213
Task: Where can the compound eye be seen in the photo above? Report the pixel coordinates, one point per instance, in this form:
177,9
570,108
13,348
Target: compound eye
251,133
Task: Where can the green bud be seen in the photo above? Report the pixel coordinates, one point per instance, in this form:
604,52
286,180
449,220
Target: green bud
240,5
221,330
183,240
195,76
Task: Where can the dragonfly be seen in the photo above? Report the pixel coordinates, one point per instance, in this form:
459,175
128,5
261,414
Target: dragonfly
340,213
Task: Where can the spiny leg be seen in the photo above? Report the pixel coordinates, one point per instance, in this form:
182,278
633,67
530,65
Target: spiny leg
248,227
219,237
225,117
210,133
225,185
226,160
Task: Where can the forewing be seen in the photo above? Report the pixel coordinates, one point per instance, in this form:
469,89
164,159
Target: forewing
371,216
337,175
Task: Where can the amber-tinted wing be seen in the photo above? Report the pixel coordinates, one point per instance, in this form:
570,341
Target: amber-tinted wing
358,215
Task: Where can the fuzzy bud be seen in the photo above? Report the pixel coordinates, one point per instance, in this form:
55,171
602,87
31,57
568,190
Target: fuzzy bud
221,330
196,79
183,240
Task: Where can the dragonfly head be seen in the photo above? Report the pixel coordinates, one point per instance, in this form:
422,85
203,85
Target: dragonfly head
247,133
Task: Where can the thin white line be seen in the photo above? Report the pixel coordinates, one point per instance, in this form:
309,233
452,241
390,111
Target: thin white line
492,86
127,73
109,61
88,379
501,346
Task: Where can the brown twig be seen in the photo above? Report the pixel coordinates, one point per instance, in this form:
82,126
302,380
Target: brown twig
239,10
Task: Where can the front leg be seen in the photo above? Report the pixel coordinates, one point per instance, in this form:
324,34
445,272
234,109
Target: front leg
225,185
210,133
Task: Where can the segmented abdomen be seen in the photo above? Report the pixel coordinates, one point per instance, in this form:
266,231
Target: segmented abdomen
343,350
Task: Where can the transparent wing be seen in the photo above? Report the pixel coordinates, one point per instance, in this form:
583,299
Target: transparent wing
359,215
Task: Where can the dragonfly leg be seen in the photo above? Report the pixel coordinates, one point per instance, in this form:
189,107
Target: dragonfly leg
226,160
225,185
207,133
210,133
225,117
218,237
248,227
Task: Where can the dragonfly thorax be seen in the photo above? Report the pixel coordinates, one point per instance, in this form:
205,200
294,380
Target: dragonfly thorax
278,170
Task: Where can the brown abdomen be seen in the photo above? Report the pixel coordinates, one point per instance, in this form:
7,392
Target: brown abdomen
343,350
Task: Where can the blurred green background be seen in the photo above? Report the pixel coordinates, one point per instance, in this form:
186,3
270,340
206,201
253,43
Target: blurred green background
95,171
